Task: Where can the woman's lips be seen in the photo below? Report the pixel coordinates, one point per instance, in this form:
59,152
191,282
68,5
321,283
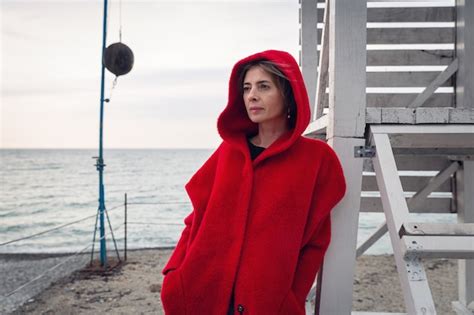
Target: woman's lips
255,109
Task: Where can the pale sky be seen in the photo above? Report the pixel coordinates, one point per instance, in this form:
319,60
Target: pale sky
184,52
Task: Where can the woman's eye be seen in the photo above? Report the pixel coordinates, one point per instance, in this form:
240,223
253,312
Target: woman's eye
264,87
246,88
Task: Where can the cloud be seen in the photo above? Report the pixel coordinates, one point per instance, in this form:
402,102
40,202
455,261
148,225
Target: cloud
184,52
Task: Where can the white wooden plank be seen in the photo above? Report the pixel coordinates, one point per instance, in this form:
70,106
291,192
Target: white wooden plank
402,100
309,53
428,14
461,115
390,115
439,229
437,82
438,141
323,76
376,313
465,205
465,54
430,205
404,79
409,57
432,115
455,247
409,183
424,129
410,35
451,152
338,269
416,294
398,115
317,127
418,229
381,230
347,65
403,14
411,163
373,115
421,163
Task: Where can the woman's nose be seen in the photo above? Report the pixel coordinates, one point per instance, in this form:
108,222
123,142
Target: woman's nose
252,95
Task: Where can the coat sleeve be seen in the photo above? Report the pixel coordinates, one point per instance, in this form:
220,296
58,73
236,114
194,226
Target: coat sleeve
329,189
199,188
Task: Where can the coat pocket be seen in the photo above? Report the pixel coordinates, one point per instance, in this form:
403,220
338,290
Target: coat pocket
172,295
290,305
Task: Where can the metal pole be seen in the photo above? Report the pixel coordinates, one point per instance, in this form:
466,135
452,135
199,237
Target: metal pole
100,160
125,227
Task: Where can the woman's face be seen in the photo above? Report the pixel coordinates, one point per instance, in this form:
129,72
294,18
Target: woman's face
262,97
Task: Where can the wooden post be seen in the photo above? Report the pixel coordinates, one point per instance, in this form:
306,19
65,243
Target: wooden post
309,44
465,100
347,63
465,54
347,82
465,205
337,275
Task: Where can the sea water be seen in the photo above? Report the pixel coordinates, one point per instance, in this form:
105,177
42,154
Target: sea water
41,189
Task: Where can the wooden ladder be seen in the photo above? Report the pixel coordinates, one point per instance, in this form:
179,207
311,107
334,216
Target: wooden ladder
412,241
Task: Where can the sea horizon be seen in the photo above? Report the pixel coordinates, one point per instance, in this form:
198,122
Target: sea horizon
45,188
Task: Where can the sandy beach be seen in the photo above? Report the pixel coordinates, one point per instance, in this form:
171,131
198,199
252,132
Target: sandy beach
135,286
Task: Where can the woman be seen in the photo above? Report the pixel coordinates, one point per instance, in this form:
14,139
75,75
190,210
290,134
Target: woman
261,220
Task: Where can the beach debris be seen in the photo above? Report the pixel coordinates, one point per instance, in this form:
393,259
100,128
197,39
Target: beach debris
155,288
125,292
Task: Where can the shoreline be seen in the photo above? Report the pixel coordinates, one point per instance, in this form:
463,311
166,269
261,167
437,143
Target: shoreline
136,285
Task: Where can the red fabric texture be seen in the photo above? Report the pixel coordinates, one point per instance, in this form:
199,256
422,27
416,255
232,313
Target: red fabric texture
258,227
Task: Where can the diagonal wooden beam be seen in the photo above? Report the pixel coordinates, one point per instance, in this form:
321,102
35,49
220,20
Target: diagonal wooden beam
381,230
416,291
323,64
430,89
309,55
433,184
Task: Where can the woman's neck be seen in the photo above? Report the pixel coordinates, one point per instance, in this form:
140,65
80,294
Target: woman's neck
267,134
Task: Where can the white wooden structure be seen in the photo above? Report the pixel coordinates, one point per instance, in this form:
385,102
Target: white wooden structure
392,90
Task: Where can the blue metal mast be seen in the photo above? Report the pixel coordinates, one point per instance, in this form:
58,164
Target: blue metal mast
100,161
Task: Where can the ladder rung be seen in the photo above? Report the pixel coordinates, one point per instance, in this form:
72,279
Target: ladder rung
457,247
439,229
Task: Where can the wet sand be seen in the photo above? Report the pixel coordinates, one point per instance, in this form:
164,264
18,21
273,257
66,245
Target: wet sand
135,287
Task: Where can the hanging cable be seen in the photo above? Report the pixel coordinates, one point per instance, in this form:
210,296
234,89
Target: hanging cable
160,203
112,234
50,269
53,229
114,83
120,21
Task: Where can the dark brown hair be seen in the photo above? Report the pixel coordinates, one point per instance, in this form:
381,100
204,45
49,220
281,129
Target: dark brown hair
281,81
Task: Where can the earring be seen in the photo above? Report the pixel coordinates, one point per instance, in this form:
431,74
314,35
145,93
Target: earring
289,113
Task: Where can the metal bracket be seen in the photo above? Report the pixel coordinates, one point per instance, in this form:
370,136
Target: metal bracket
415,269
364,152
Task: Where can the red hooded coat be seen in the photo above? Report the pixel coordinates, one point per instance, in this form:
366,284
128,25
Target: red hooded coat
259,228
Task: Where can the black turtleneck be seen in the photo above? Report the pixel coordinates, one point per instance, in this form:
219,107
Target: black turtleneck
254,150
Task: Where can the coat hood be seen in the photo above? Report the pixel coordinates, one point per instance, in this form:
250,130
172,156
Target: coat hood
234,124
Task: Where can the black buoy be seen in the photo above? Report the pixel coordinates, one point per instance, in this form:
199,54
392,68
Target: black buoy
118,59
